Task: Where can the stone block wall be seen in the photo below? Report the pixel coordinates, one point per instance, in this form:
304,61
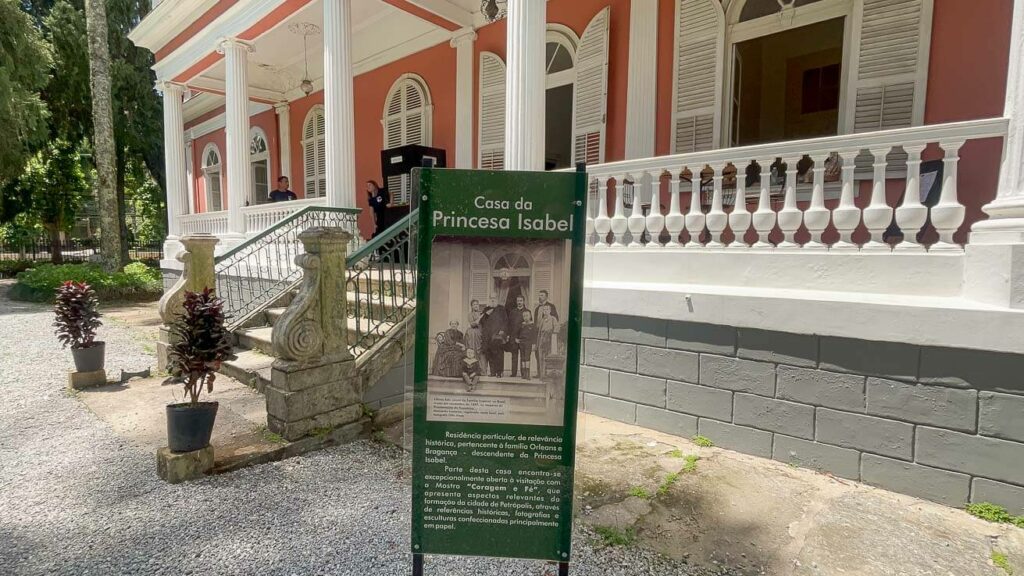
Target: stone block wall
939,423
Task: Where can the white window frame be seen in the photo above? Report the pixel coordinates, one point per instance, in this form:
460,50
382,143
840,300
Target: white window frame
320,172
254,133
737,32
211,171
426,112
565,37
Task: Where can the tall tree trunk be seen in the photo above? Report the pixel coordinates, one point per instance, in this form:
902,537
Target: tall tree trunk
111,216
56,252
122,167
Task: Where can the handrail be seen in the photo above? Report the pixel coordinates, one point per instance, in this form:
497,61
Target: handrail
381,284
254,275
383,238
282,223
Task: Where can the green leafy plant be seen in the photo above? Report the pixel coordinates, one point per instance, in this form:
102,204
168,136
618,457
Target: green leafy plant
612,536
1001,561
677,453
136,282
667,483
691,463
201,343
640,492
703,441
77,315
994,513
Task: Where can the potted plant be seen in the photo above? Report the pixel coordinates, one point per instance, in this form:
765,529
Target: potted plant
77,319
200,344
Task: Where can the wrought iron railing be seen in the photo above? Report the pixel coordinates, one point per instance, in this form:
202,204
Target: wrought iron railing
381,284
255,274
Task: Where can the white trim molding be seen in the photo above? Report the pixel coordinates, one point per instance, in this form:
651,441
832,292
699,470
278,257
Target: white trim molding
462,41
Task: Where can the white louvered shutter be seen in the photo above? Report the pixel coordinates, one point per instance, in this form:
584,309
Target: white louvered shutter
590,91
479,277
700,37
492,112
887,79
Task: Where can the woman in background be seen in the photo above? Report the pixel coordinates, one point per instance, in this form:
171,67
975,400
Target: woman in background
379,201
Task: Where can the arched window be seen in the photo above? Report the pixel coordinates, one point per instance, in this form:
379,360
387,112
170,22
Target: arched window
259,160
212,170
560,62
406,120
754,9
314,153
407,113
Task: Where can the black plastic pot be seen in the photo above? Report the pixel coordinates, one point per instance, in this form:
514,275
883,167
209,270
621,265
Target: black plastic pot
89,359
189,426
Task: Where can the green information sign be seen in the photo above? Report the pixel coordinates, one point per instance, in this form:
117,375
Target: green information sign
499,306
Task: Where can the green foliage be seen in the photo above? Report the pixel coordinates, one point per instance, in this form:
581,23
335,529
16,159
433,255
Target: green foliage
145,205
1001,561
201,343
703,441
691,463
53,186
994,513
640,492
677,453
24,63
136,282
667,483
77,315
11,268
612,536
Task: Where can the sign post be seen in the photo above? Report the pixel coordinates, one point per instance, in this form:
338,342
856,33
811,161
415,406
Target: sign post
498,320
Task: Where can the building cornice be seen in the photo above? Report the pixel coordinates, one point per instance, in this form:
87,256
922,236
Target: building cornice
166,21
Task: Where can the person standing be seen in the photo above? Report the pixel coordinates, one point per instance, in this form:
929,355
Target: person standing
515,322
546,316
494,325
527,340
282,193
379,201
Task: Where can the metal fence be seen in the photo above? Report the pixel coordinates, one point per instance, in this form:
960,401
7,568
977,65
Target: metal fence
72,250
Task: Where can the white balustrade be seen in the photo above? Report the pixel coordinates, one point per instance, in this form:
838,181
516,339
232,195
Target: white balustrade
260,217
893,151
204,223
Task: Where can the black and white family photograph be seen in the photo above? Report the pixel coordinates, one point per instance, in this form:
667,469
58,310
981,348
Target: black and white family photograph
498,353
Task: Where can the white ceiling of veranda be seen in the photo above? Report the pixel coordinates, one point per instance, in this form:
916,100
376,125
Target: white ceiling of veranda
381,33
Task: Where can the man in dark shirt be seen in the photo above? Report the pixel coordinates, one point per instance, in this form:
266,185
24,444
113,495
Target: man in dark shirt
515,322
282,194
494,326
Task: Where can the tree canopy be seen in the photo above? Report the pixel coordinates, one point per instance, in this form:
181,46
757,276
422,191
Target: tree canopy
24,72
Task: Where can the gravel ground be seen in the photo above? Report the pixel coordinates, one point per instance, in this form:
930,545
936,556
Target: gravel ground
77,499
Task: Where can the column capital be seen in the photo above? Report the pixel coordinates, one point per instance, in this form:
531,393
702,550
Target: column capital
169,87
282,108
230,43
462,37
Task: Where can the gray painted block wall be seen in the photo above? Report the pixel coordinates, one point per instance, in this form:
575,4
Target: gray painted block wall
942,424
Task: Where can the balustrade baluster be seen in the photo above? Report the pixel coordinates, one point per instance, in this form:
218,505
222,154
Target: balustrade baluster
816,217
619,222
637,221
591,194
790,216
878,214
948,214
912,214
655,221
695,218
602,224
739,219
846,216
764,217
675,222
716,218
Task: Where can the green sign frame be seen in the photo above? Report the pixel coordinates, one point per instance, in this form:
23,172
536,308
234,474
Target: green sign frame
497,488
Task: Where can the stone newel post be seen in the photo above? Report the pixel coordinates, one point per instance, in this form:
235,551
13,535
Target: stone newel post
315,383
197,274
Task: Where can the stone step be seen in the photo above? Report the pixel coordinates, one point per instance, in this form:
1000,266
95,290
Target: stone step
249,367
260,338
376,308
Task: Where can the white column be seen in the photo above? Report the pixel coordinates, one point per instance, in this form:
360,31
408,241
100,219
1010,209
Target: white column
1006,213
462,41
190,172
236,118
525,85
641,90
284,141
174,156
339,110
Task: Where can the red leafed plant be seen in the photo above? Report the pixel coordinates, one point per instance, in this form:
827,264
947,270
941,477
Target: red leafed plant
201,342
77,315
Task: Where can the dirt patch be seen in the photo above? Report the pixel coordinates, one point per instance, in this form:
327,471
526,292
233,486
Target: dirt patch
722,510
